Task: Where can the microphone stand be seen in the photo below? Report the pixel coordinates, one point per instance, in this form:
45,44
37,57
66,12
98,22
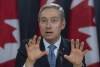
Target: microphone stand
61,57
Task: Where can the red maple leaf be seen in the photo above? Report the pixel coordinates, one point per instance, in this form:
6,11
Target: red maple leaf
6,34
81,16
7,11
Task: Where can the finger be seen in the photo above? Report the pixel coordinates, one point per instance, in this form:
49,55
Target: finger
38,40
44,53
30,42
84,52
72,44
66,57
34,40
26,46
82,46
77,44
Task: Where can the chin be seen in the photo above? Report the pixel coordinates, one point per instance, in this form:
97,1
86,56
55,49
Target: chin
49,38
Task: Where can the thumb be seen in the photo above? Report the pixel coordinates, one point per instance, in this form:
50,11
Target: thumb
26,46
66,57
44,53
85,51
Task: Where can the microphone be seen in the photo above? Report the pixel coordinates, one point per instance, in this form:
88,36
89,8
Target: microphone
61,57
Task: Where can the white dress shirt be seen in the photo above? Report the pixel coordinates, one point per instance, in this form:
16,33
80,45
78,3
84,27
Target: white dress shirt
57,44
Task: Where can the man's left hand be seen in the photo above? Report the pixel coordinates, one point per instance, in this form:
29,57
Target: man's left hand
77,53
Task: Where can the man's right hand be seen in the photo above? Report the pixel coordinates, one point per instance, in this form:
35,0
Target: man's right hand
33,51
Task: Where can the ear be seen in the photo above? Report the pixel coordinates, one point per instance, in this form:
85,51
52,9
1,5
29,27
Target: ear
63,23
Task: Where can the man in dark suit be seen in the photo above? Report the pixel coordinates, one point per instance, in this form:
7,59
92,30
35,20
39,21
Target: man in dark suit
37,52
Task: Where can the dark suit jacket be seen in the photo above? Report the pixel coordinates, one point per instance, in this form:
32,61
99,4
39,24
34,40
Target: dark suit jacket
65,48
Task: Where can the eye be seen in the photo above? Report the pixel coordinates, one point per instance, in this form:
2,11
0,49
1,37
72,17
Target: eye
54,20
43,20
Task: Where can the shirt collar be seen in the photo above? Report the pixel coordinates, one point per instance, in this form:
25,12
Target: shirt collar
57,44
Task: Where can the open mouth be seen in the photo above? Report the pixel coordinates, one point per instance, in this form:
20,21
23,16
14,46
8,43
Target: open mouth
49,32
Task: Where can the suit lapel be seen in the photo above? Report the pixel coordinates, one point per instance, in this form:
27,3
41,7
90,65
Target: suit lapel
44,59
63,49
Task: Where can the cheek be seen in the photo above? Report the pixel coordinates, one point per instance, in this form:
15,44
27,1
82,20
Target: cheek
42,28
58,29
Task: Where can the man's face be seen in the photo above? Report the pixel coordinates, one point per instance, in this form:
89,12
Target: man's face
50,24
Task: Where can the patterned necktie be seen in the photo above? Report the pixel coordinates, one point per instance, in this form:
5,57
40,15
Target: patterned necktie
51,56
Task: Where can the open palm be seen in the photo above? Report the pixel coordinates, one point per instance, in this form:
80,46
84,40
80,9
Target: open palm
33,50
77,53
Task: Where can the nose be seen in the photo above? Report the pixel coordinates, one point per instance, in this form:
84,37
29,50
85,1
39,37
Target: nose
48,25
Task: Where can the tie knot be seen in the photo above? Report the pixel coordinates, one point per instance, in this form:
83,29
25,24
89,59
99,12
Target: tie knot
52,47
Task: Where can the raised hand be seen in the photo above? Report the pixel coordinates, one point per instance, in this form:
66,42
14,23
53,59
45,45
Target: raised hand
33,50
77,53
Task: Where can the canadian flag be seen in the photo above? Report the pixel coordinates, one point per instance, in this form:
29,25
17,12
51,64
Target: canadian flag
82,26
9,32
42,2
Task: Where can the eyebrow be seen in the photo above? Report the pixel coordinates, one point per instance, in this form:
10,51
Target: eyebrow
55,17
50,17
42,17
